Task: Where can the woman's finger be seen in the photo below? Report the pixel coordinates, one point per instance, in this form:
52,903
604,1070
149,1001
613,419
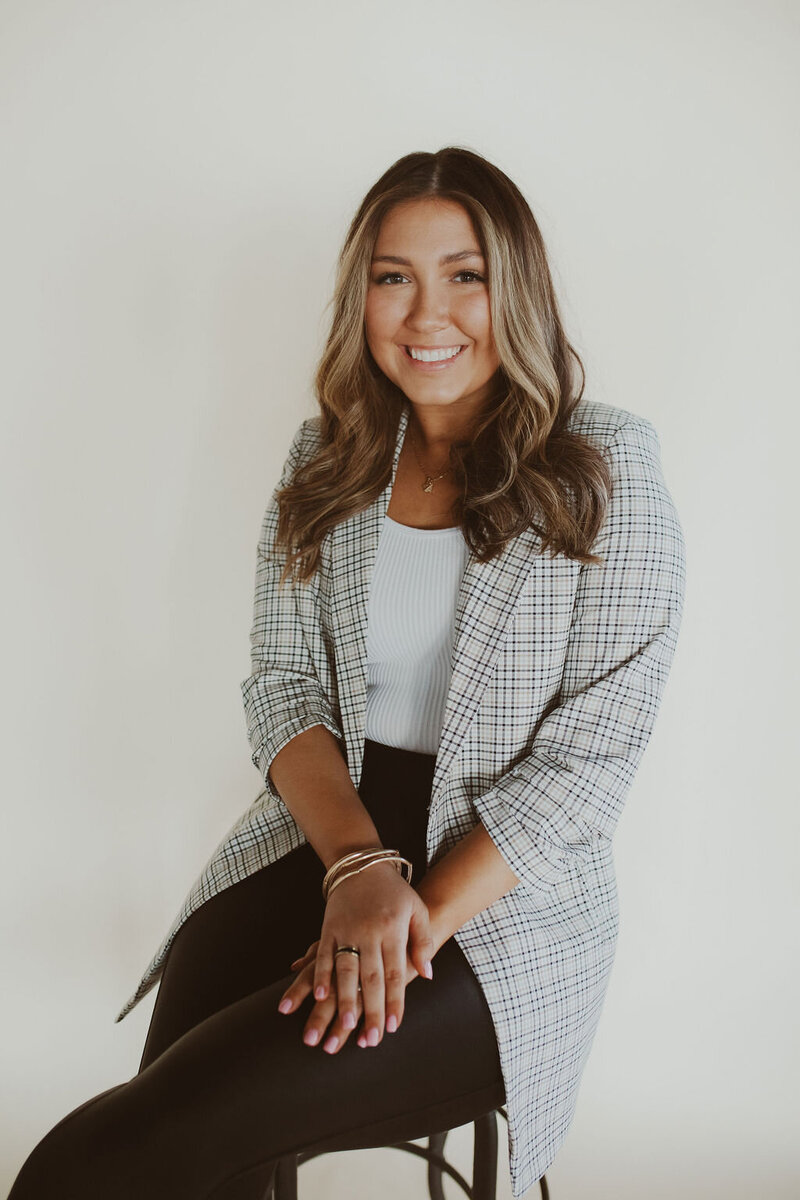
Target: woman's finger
337,1033
410,973
323,967
346,985
305,958
323,1012
394,973
421,948
298,989
373,992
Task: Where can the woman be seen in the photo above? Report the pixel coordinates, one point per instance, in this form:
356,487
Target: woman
468,594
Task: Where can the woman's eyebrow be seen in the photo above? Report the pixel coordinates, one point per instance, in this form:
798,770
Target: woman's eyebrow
447,258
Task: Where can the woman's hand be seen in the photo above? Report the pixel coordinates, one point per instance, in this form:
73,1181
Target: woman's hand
381,914
324,1011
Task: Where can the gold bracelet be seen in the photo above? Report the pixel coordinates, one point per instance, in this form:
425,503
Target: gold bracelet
359,863
341,862
389,856
396,862
356,861
349,859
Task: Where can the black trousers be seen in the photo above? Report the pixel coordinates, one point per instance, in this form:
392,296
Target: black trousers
226,1085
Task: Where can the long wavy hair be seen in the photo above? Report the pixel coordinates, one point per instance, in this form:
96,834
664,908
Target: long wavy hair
522,467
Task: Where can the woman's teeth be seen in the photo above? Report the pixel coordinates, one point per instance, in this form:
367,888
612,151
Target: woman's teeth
434,355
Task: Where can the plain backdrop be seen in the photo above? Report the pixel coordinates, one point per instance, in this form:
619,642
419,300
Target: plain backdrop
177,179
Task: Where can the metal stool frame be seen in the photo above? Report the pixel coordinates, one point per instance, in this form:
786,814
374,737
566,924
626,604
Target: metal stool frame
484,1164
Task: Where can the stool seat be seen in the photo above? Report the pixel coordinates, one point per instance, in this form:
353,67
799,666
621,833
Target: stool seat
484,1162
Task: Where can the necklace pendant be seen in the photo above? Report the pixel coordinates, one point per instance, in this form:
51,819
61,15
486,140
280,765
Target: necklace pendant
428,484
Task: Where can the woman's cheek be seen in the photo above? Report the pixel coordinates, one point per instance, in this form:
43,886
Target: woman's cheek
474,312
381,311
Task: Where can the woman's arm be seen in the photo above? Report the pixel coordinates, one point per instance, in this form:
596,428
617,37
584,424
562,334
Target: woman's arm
470,877
550,810
311,775
375,910
314,782
283,695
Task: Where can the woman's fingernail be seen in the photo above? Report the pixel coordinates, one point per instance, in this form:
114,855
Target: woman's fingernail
391,1023
372,1037
331,1044
285,1005
319,991
349,1020
312,1037
428,971
362,1041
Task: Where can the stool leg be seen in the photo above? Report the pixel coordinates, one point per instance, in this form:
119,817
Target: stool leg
269,1194
286,1178
484,1158
436,1143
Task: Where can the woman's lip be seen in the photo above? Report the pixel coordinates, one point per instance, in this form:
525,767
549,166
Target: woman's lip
440,365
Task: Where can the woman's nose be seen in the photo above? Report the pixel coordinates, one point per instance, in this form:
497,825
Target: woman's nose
428,310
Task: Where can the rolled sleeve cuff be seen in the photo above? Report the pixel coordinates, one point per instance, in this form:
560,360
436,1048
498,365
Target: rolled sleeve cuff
537,852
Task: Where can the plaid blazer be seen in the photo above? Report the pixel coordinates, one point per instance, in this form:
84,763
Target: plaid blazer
558,670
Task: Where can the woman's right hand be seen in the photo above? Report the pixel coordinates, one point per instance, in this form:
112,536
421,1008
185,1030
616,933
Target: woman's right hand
380,913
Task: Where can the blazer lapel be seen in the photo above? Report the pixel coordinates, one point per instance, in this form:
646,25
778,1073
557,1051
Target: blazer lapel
353,548
486,598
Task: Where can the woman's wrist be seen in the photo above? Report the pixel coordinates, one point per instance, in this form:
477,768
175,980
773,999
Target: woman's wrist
360,861
439,915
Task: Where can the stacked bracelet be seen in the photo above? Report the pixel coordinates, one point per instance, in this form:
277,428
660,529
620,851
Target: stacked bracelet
349,860
358,861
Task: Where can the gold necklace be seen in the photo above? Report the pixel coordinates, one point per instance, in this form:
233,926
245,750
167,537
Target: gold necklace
427,486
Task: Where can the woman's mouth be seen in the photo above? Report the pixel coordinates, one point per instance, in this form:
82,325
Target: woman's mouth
433,358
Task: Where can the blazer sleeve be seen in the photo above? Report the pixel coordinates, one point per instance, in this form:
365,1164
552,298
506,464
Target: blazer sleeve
282,695
567,793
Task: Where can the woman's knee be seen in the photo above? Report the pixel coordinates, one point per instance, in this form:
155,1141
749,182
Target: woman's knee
54,1166
242,1087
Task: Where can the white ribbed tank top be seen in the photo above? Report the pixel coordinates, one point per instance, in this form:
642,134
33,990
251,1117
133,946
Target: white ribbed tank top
412,606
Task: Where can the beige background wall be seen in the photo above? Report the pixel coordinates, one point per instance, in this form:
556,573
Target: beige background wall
177,178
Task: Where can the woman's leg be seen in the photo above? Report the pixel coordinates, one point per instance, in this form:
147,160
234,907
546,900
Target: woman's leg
236,943
227,1085
241,1089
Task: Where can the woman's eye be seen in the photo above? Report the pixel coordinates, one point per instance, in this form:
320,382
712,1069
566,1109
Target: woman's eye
467,276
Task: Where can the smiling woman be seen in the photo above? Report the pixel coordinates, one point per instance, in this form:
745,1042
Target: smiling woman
444,301
469,585
429,329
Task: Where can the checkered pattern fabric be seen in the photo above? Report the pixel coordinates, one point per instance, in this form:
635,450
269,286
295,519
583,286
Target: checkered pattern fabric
558,671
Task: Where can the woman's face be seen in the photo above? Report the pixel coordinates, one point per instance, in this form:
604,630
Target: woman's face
428,293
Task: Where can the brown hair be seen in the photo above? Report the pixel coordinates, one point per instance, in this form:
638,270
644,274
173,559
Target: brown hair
522,466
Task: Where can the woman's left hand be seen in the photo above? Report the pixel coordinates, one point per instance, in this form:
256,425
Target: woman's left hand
325,1010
